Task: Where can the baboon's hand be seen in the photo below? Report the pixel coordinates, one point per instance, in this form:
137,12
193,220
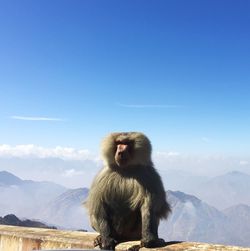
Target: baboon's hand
105,242
153,243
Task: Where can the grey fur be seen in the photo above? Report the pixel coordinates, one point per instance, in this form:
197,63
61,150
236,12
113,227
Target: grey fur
126,202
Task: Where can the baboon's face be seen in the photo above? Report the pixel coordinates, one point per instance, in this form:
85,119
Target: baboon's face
126,150
123,150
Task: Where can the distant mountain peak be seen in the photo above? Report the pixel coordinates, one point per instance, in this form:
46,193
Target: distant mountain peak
7,178
13,220
238,207
238,173
183,197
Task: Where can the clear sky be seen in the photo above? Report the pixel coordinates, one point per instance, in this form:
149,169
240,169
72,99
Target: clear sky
72,71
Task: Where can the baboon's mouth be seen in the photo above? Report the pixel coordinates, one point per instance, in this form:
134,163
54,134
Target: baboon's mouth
121,162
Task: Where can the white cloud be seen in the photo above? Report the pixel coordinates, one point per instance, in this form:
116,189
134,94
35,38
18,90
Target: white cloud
208,165
35,118
201,164
166,154
244,163
27,151
72,173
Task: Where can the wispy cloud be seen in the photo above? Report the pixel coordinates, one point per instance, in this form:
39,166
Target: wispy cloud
148,105
72,172
206,139
35,118
170,154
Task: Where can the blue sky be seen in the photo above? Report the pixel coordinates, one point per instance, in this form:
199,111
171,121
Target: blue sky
177,70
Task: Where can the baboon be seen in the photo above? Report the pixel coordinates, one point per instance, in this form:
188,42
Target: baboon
127,198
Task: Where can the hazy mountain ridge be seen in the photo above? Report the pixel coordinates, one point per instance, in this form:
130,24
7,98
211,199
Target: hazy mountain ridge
52,169
8,179
191,219
13,220
226,190
239,216
25,197
66,210
195,220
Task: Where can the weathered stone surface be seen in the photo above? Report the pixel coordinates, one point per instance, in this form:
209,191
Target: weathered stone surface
27,239
183,246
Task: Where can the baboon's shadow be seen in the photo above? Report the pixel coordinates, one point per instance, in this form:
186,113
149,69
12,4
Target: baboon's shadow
168,243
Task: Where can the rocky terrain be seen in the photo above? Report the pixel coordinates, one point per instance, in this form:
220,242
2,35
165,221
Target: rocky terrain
12,220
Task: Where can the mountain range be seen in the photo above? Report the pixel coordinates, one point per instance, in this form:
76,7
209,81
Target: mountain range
224,191
70,212
192,219
12,220
25,197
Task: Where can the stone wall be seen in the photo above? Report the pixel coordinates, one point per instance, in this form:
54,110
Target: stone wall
27,239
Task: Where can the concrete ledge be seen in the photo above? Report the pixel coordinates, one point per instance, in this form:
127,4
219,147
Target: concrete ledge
27,239
184,246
